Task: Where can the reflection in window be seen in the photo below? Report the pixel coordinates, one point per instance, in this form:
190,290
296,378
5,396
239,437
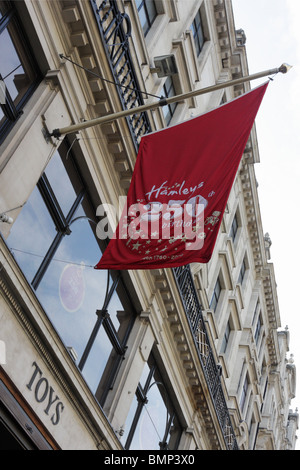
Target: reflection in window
65,191
256,312
216,295
147,13
32,220
152,422
168,91
242,272
244,393
18,70
53,239
234,228
225,338
258,330
198,34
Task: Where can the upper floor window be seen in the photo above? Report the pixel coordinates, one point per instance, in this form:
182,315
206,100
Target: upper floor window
168,91
19,73
147,13
152,422
256,312
258,329
244,393
198,33
54,241
216,295
225,338
242,272
234,228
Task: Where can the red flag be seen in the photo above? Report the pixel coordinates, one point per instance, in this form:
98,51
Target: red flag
180,187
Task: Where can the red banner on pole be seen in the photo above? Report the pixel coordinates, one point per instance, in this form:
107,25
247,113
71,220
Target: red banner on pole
180,187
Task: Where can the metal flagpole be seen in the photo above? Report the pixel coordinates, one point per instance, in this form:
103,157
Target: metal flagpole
284,68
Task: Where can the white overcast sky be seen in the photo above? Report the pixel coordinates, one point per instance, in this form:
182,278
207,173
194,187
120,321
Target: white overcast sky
273,37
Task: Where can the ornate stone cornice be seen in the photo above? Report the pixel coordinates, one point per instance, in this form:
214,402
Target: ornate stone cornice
188,353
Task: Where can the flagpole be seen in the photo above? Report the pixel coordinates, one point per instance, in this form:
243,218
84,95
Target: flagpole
284,68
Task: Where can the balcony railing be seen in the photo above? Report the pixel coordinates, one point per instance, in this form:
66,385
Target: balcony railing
211,370
115,28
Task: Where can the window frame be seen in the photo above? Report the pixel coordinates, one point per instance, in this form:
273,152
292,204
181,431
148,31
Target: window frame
258,329
149,17
244,393
142,400
169,90
12,109
242,272
60,221
226,337
215,295
198,32
115,282
234,228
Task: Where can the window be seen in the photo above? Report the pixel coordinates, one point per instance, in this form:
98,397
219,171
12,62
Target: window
198,33
242,272
244,393
152,422
54,241
147,13
216,295
234,228
19,74
256,311
225,339
258,329
168,91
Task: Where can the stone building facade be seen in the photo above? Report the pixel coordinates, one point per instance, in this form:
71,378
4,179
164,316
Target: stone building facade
186,358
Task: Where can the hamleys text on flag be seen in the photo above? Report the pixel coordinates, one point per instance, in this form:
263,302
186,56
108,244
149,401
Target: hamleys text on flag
180,187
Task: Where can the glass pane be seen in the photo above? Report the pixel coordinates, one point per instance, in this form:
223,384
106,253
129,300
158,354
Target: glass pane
169,87
198,35
72,290
193,29
167,114
143,20
118,314
97,361
151,8
16,68
147,13
168,90
1,116
151,427
197,21
31,235
138,3
59,178
155,417
3,8
11,68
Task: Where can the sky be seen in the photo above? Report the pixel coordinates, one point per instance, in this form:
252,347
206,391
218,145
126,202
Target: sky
273,38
